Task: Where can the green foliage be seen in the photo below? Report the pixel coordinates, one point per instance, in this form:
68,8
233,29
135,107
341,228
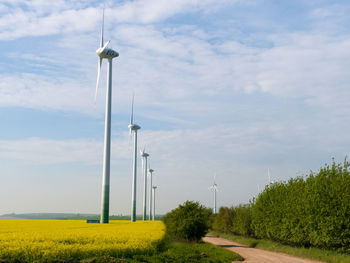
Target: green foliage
179,252
322,255
223,220
309,212
189,221
241,222
235,220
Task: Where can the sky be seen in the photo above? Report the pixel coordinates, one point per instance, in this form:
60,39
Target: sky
225,87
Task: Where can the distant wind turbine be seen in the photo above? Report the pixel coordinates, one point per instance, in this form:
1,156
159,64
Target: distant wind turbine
144,156
133,127
154,201
214,188
269,176
109,54
150,192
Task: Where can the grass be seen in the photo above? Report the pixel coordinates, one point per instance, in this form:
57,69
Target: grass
178,252
329,256
172,252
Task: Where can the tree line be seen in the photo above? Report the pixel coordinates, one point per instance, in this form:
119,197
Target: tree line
311,211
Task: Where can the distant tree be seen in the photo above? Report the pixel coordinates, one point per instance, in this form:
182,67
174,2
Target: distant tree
241,222
190,221
223,219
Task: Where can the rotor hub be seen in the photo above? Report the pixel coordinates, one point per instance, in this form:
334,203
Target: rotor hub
143,154
134,127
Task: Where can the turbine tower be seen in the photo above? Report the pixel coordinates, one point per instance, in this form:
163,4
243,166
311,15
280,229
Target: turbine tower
144,156
154,201
133,127
214,188
269,176
109,54
150,173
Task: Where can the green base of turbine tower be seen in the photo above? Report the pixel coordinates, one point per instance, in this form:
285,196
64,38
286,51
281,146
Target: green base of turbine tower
133,213
105,205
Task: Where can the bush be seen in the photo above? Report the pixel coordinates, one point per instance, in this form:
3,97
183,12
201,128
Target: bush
189,221
242,220
309,212
234,220
223,220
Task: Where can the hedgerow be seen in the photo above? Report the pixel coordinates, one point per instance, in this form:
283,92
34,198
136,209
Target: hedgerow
312,211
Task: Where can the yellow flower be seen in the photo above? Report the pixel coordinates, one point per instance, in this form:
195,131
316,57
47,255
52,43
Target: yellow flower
57,239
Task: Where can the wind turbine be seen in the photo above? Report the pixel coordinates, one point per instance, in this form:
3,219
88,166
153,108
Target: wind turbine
154,201
269,176
109,54
133,127
144,156
214,188
150,173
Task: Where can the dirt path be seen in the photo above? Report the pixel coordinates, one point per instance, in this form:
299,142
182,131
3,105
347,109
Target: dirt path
255,255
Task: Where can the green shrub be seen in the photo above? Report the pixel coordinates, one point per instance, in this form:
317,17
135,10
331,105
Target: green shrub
312,211
329,205
242,220
308,212
223,220
189,221
236,220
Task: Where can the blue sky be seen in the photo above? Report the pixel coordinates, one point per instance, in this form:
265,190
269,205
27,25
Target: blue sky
230,87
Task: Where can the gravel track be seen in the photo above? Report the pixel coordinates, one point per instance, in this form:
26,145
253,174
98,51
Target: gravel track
255,255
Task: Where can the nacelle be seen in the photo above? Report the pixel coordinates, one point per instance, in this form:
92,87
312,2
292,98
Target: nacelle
107,53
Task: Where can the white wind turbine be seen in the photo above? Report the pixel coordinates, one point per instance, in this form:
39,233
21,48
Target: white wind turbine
109,54
133,127
150,173
214,188
144,156
269,176
154,201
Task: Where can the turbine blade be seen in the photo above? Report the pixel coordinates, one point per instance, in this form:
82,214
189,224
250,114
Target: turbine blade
102,27
106,44
132,110
98,76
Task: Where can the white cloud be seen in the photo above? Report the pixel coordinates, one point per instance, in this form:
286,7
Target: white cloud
166,70
184,160
191,79
157,10
309,66
27,23
33,91
39,18
185,146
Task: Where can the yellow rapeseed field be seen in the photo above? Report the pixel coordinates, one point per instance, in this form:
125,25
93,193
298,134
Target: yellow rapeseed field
56,239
